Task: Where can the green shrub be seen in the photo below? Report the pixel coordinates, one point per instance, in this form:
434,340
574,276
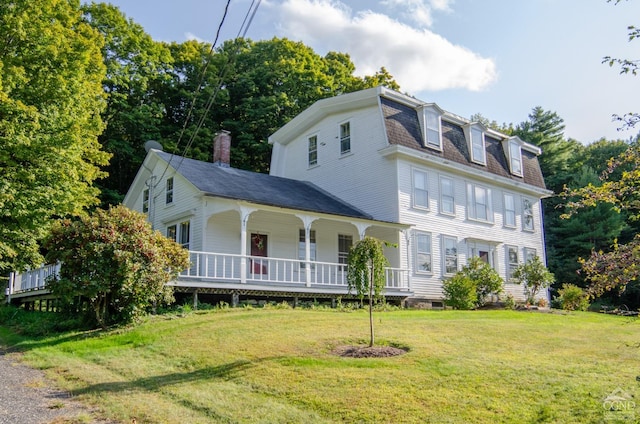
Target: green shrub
472,285
460,292
573,298
509,302
38,323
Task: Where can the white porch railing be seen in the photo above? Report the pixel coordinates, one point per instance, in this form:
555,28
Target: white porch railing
230,268
34,279
257,270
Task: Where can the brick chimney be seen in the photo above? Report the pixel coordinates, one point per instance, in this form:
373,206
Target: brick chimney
222,149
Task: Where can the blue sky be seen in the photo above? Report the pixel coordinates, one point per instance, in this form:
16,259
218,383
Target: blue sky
499,58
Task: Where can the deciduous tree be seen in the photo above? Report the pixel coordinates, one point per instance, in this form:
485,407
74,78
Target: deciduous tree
534,275
50,103
366,273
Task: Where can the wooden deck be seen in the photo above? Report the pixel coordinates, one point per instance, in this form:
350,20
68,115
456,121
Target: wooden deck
217,273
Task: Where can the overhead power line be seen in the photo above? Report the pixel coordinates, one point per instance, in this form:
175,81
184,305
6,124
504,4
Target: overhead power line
246,23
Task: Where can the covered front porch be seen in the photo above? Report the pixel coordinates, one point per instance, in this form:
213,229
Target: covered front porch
238,247
245,246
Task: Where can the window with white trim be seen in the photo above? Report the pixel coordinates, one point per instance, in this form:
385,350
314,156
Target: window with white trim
527,215
478,153
172,232
509,210
529,254
423,253
169,190
450,257
447,200
180,233
420,189
515,155
345,138
302,246
479,203
344,246
185,233
313,150
512,261
145,200
433,129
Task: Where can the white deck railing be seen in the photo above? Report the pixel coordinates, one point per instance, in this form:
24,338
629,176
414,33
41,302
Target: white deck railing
230,268
257,270
33,279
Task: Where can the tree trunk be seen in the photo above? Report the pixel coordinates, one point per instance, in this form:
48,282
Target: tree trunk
371,342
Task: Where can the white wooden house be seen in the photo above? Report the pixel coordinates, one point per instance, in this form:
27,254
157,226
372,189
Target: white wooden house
253,234
464,189
374,162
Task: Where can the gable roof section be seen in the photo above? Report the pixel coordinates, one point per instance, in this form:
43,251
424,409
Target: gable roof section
403,128
232,183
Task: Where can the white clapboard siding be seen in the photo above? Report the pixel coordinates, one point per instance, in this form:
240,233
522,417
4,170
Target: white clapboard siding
362,177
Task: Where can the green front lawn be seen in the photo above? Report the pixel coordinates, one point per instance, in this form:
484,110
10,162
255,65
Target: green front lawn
277,366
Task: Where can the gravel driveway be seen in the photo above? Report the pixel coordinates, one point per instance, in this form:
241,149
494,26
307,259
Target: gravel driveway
28,397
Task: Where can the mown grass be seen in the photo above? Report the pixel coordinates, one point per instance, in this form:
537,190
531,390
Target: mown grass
277,366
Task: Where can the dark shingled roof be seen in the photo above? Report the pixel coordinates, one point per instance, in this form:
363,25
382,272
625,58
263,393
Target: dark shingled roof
403,128
259,188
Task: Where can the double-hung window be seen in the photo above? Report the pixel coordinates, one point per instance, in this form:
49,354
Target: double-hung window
344,246
512,261
478,153
479,203
169,190
433,129
529,254
313,150
527,215
345,138
145,200
420,190
509,210
185,230
302,246
450,249
515,155
423,253
180,233
447,200
172,232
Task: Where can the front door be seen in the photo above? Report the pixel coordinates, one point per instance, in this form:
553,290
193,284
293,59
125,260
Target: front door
259,248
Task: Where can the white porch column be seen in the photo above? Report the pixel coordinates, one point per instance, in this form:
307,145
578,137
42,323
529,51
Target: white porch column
362,229
12,278
307,221
407,238
244,218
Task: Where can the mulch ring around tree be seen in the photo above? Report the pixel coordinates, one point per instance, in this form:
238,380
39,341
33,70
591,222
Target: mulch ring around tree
368,352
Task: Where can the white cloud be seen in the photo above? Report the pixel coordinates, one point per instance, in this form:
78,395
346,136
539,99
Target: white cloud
191,36
419,59
418,11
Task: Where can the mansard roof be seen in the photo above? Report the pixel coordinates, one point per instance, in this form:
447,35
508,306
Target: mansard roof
403,128
231,183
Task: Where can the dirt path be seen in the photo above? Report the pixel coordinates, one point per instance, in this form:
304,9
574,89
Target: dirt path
27,396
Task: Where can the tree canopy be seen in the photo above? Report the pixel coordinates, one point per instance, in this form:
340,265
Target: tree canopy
181,94
51,99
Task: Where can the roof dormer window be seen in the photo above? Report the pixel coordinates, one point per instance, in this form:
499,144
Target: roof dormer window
515,158
478,151
431,126
513,147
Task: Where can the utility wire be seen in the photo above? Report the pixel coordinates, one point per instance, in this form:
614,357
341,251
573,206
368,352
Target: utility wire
222,74
243,30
